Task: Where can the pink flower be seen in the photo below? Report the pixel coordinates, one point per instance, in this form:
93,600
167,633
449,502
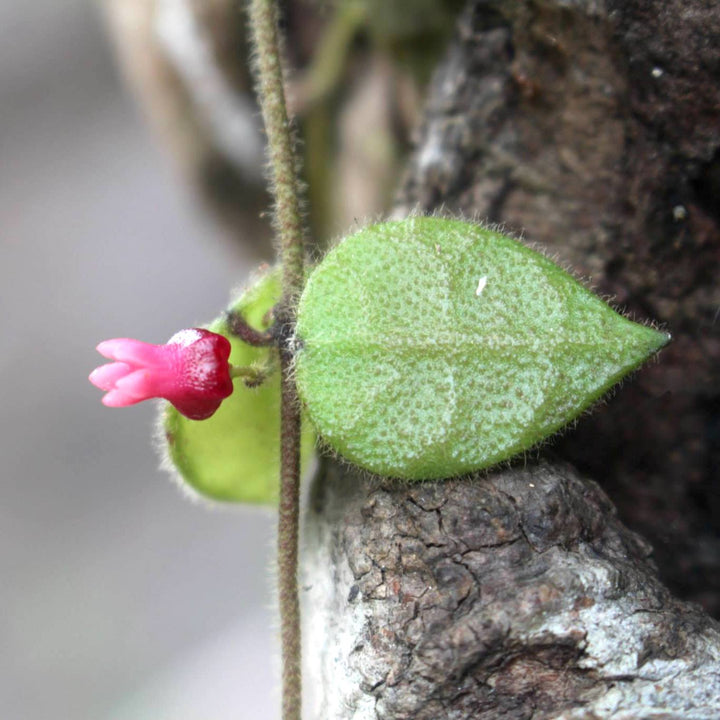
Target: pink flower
191,371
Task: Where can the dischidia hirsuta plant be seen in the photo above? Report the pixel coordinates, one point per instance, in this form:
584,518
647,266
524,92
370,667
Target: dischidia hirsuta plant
419,349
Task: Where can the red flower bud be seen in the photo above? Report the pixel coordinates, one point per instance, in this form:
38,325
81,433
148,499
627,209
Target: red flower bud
191,371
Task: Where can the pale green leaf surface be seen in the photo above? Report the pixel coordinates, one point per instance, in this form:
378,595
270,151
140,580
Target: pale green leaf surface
235,454
408,371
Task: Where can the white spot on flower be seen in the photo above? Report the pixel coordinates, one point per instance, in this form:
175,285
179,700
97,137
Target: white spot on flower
185,338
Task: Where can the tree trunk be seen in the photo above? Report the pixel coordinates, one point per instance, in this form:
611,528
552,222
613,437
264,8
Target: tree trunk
592,128
516,595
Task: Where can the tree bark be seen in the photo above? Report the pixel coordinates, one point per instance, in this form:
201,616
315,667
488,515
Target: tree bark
590,127
515,595
593,129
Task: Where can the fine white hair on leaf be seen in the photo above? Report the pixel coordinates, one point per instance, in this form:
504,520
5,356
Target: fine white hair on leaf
405,375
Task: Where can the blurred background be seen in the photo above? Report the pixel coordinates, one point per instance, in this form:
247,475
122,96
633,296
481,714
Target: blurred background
119,599
131,201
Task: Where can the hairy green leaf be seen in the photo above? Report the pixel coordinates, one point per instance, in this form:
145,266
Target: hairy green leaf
427,348
235,454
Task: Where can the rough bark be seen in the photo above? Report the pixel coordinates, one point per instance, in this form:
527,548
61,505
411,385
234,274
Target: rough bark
515,595
592,128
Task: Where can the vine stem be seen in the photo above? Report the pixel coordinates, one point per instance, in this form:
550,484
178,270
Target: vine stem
289,229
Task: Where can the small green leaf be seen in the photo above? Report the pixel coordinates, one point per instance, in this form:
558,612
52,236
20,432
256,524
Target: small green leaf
429,347
235,454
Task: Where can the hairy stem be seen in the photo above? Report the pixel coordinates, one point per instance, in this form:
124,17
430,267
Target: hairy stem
288,223
288,524
283,161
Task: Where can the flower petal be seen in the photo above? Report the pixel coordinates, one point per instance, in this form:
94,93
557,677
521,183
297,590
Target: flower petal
107,375
140,384
117,398
133,352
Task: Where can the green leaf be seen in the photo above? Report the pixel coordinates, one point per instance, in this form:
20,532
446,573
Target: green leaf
235,454
428,348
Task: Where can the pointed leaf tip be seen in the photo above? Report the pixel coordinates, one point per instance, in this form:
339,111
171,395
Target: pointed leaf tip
428,348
